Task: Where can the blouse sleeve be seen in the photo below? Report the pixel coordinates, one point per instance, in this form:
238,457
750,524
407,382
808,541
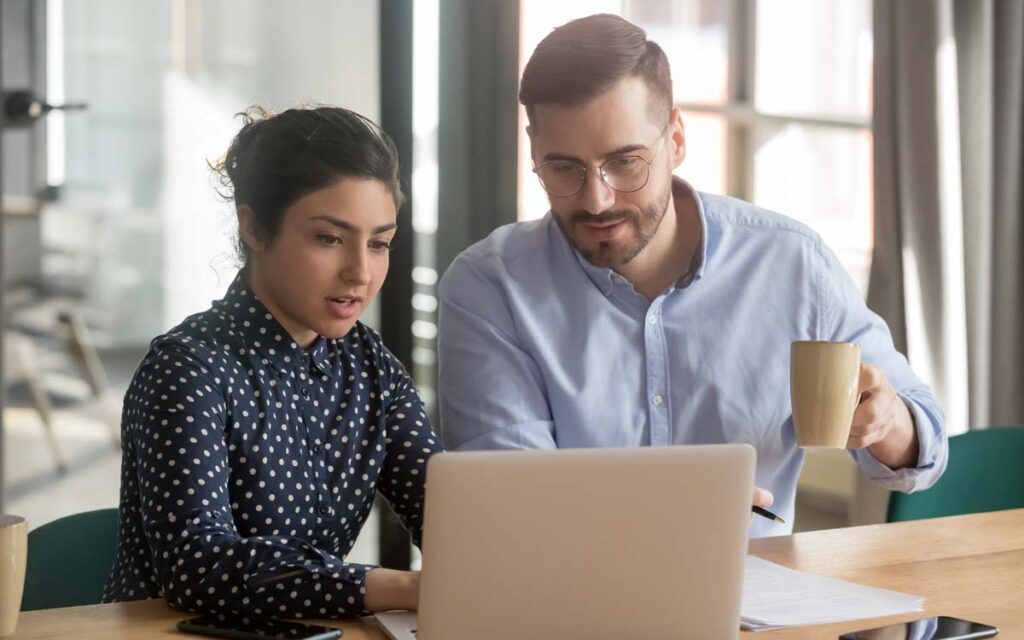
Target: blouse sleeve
410,442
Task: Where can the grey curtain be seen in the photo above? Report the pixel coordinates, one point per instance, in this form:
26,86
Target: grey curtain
478,122
948,268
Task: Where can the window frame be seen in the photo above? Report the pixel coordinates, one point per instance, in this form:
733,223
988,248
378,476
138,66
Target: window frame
739,111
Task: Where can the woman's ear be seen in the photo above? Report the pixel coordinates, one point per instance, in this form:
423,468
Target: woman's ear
249,230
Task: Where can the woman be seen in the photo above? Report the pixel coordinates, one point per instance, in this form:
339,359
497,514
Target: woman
256,433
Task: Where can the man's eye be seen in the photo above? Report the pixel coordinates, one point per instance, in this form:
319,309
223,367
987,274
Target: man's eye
562,168
624,163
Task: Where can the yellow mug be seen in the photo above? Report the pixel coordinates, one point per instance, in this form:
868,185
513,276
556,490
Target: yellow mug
824,382
13,555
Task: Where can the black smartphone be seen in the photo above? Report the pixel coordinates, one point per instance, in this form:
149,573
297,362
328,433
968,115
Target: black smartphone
243,628
937,628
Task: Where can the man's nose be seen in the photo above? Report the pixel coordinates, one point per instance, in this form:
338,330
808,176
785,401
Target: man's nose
596,196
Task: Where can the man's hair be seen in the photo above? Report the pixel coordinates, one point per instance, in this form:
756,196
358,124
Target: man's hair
584,58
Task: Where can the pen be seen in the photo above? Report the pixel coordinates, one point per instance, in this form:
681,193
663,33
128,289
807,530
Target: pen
764,513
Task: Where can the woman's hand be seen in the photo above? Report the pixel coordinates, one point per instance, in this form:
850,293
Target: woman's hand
387,589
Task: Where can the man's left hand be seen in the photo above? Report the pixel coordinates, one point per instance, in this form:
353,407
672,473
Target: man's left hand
882,422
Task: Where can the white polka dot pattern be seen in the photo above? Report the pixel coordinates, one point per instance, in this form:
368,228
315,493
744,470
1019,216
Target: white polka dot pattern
249,464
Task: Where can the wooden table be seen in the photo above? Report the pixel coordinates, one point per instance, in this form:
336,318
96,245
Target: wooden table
966,566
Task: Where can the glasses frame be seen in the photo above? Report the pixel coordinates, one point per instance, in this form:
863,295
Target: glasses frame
600,168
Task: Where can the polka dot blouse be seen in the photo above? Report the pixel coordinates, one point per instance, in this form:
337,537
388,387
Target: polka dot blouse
249,464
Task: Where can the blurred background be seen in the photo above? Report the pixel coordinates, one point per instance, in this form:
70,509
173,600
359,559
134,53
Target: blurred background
893,129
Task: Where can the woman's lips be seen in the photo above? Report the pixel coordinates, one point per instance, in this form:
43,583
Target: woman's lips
344,308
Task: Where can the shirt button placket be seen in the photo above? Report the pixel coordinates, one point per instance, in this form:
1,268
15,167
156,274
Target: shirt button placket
657,375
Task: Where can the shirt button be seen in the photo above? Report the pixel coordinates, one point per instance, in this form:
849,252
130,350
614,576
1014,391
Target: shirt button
657,400
316,448
325,509
652,320
305,392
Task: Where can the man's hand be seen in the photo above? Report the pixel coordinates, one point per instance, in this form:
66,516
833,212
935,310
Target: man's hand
882,422
762,498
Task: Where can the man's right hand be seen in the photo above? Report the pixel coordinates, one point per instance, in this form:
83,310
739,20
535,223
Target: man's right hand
762,498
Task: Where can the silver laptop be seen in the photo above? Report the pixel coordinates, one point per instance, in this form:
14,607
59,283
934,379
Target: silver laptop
585,543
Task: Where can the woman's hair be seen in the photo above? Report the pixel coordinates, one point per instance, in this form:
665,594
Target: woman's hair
275,160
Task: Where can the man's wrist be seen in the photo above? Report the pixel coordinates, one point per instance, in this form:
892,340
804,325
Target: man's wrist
901,449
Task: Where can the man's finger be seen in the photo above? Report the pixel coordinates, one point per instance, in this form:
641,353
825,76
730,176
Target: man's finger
870,378
763,497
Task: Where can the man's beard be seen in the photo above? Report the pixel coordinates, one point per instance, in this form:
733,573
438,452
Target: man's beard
607,254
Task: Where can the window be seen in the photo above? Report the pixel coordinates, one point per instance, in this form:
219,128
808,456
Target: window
776,99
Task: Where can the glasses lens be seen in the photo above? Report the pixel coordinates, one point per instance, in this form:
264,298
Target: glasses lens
625,173
561,179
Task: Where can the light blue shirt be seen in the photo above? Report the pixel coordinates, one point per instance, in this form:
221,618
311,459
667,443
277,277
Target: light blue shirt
541,349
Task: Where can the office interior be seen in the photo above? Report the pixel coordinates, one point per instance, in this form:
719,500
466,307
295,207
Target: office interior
893,129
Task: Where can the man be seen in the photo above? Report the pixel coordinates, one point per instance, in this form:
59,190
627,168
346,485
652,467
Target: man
641,312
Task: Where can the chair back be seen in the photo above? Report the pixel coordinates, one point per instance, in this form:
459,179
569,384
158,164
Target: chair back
69,560
984,474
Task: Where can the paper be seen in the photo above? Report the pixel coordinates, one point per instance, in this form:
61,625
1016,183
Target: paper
775,596
399,625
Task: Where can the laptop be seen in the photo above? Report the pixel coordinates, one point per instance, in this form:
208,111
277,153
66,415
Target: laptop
583,543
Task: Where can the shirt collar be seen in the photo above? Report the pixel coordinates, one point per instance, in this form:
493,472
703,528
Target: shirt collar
605,279
682,188
260,330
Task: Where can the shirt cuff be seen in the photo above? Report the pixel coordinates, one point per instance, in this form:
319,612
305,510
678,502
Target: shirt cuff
909,478
330,590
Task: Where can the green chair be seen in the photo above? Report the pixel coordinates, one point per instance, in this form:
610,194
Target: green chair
984,474
69,559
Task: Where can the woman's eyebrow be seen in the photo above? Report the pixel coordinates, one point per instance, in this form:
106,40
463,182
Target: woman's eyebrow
348,226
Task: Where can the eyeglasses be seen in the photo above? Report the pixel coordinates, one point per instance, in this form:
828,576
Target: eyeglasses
625,174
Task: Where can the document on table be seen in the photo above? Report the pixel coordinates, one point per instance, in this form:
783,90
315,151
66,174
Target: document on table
775,596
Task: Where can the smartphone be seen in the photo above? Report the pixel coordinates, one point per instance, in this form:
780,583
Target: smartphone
937,628
243,628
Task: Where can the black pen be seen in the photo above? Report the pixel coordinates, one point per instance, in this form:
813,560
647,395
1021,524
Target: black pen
764,513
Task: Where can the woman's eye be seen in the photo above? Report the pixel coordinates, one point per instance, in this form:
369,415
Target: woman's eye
329,241
381,245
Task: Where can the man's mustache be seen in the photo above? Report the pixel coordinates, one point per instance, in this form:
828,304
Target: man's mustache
605,217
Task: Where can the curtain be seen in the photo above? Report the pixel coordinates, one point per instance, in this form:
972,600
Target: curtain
478,122
948,265
948,268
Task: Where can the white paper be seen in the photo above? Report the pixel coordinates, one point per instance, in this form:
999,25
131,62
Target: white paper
775,596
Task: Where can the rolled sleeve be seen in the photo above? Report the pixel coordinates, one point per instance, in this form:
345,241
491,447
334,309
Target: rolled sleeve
931,459
847,318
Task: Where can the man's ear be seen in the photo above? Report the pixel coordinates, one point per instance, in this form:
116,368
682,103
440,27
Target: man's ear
249,230
529,134
677,136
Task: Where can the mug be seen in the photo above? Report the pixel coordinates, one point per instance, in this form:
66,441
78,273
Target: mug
824,379
13,555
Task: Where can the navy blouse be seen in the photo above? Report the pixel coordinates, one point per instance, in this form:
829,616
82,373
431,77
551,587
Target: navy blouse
249,464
